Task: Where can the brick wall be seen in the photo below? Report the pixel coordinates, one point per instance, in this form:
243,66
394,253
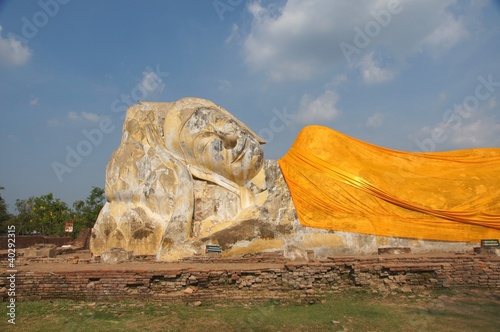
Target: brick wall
308,281
25,241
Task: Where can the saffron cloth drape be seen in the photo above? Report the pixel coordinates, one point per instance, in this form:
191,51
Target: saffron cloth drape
340,183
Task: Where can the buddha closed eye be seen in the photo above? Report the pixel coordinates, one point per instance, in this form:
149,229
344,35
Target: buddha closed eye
215,142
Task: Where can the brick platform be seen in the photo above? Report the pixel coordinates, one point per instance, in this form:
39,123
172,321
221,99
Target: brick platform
248,279
25,241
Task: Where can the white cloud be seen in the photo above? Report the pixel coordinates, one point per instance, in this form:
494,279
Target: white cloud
54,122
481,129
12,51
225,85
84,116
300,39
492,103
33,101
375,121
482,132
478,129
92,117
73,116
293,41
321,109
372,72
442,97
234,35
336,82
151,83
444,37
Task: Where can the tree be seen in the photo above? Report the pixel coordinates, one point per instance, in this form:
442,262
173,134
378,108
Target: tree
86,212
5,216
48,215
4,213
23,217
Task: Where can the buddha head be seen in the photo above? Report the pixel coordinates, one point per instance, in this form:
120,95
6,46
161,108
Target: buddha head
212,142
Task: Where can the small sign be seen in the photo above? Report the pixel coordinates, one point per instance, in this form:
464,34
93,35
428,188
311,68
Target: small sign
212,248
490,243
68,228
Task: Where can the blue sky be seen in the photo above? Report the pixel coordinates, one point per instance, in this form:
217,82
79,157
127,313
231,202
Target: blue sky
407,75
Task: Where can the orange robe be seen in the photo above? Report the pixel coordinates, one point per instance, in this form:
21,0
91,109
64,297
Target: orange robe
340,183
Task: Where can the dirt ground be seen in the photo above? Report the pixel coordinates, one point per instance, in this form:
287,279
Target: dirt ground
63,262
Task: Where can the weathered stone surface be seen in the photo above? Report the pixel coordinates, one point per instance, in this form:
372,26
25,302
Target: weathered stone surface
41,250
189,174
487,251
394,250
116,256
171,156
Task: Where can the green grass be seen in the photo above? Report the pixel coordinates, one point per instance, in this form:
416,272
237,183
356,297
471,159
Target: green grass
456,310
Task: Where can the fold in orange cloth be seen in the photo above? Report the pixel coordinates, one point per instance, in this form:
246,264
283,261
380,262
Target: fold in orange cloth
340,183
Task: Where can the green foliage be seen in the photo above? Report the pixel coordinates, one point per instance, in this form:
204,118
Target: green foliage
85,212
48,215
5,216
24,216
463,310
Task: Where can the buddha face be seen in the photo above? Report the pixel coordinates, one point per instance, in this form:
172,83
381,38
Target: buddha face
216,143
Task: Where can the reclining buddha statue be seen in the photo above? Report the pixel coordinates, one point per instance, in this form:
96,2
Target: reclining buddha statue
189,174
